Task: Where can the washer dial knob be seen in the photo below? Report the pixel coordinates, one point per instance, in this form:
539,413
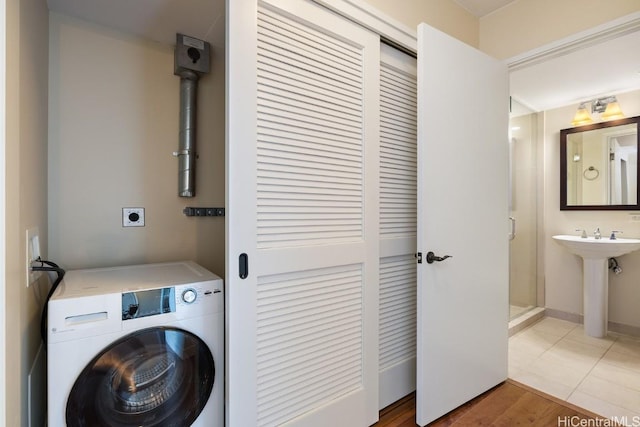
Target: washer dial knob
189,296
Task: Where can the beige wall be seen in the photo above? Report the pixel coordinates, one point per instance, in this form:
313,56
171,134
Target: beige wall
563,271
26,186
445,15
114,125
526,24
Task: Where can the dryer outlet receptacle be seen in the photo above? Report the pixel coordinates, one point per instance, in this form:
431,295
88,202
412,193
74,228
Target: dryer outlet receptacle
133,217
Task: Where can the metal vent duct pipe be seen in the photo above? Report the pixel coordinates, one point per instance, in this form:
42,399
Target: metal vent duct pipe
187,134
190,60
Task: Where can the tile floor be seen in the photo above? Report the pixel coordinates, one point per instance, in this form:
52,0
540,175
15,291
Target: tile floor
600,375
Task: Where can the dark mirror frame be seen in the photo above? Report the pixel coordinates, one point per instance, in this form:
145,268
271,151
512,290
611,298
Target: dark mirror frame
563,166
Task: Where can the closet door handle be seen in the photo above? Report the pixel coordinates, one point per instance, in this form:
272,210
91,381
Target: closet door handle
431,257
243,266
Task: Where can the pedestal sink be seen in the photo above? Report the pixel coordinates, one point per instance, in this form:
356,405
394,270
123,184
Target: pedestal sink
595,255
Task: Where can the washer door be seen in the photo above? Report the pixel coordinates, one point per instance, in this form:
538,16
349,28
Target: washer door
153,377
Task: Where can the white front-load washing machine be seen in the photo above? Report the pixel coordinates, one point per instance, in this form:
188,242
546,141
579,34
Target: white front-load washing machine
139,345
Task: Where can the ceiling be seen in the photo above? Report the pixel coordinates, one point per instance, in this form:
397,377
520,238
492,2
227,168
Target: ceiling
481,8
155,20
592,70
607,68
603,68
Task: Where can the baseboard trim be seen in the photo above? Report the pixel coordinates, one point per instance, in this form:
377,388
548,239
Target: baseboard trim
618,328
564,315
527,319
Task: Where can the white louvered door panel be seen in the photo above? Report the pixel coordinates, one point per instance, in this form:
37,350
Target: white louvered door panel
302,198
398,183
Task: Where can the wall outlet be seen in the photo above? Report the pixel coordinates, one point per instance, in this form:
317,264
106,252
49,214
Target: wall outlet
32,254
634,217
133,217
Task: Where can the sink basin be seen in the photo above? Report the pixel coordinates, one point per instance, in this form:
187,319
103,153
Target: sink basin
595,255
598,248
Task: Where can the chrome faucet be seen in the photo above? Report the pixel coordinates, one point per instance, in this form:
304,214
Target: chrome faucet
584,232
613,235
597,234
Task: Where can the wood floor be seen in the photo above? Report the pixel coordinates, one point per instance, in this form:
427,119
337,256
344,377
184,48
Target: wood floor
508,404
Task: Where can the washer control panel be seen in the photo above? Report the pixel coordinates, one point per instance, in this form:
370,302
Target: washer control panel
189,295
148,303
192,297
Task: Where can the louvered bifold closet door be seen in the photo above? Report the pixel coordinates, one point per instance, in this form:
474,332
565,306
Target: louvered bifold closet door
398,181
307,187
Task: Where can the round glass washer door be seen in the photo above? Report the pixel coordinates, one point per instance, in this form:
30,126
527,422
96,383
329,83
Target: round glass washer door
153,377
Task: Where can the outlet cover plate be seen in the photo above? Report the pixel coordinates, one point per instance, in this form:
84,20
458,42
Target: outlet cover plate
133,217
32,253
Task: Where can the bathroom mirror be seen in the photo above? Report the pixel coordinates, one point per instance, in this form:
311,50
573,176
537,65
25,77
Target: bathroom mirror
599,166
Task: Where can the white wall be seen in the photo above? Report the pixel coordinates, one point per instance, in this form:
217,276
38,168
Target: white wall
563,271
114,109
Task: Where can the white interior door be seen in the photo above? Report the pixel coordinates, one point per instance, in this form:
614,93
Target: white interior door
462,212
302,222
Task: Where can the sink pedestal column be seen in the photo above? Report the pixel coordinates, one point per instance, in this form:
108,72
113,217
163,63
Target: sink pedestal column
595,255
596,293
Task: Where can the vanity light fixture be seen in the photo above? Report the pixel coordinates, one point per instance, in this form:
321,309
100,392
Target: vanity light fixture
582,116
607,106
613,110
599,105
